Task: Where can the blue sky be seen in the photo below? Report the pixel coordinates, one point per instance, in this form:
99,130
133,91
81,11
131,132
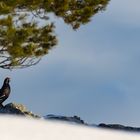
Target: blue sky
92,73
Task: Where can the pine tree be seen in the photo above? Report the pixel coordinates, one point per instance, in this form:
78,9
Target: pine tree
24,41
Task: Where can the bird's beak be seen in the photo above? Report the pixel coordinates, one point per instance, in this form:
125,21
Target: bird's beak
9,79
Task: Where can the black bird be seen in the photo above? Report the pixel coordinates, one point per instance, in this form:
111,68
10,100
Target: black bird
5,90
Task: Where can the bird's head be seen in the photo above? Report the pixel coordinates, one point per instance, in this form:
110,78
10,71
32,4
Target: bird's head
6,80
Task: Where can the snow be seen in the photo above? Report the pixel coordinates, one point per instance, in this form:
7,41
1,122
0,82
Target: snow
18,128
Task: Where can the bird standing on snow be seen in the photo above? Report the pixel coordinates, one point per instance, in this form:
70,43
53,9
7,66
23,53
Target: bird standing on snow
5,90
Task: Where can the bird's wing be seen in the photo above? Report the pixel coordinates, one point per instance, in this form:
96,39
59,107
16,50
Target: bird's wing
1,97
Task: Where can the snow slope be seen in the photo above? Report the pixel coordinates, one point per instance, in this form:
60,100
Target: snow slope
17,128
